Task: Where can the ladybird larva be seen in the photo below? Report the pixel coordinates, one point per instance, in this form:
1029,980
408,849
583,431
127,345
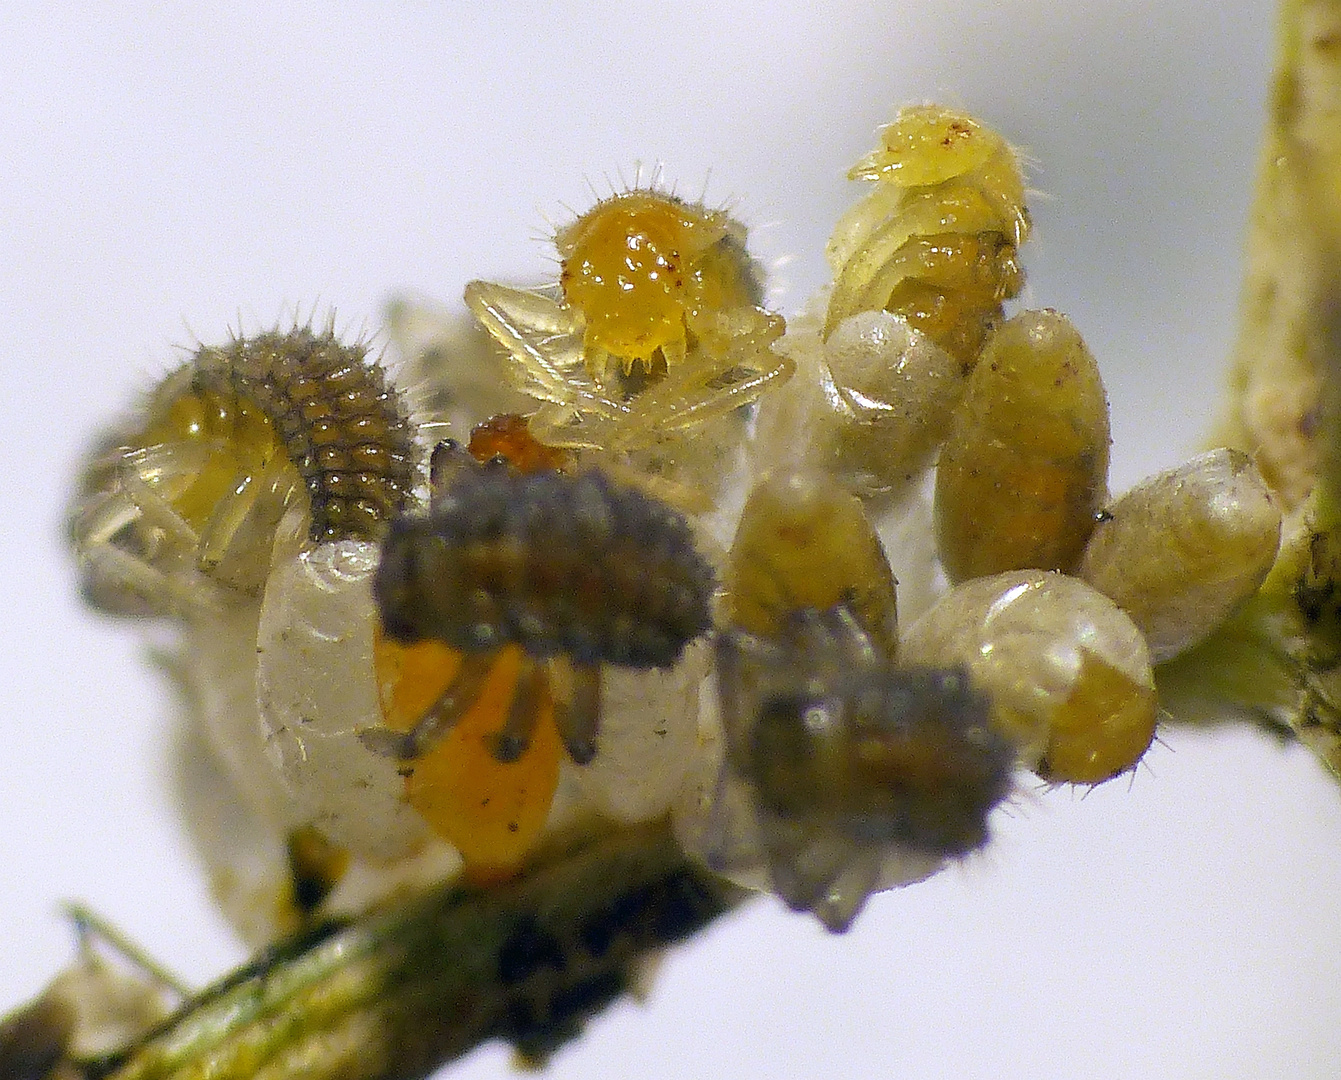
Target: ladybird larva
861,775
559,564
936,240
840,775
1219,528
226,444
336,418
476,713
1023,473
1067,672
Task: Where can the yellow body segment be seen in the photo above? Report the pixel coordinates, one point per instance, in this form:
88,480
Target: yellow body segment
492,812
936,240
1102,728
641,268
1023,474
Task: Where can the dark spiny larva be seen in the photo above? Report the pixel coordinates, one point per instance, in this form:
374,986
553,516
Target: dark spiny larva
341,425
555,563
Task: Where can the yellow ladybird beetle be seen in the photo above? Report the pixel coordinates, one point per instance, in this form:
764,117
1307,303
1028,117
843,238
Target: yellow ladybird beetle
649,343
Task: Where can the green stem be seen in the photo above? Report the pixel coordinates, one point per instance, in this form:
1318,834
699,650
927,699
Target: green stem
398,993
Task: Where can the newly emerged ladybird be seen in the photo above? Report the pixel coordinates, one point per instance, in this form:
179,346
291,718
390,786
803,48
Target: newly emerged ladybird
644,271
1023,474
936,240
654,330
1068,674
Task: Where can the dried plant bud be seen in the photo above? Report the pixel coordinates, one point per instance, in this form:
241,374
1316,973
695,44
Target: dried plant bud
1068,674
1024,472
1181,550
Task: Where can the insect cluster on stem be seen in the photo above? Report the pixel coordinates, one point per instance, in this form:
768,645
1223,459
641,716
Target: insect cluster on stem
655,579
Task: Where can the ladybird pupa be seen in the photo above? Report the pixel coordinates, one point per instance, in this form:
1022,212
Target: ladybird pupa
1218,527
803,542
1067,672
1023,474
869,406
189,499
936,240
851,762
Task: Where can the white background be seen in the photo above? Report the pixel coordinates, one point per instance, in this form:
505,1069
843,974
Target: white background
172,172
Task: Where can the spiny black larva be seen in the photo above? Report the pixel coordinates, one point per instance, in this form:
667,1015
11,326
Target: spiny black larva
191,492
558,564
339,423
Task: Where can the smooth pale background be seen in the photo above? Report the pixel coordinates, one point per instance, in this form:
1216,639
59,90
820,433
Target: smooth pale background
171,174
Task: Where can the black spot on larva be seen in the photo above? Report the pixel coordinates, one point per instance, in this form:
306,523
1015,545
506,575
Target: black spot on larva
340,424
557,564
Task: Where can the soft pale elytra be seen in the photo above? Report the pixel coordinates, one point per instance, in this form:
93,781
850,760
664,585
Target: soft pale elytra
1024,472
936,240
1068,674
1218,527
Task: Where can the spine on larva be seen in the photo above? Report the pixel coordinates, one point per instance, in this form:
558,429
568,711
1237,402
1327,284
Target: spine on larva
554,563
341,425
